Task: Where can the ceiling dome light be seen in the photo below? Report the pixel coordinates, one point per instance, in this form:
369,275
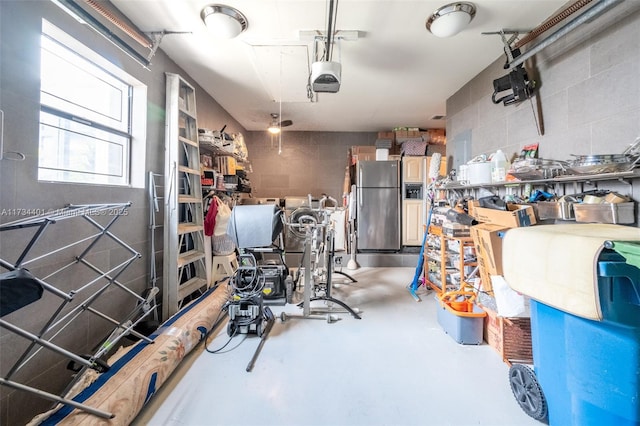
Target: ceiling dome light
224,21
450,19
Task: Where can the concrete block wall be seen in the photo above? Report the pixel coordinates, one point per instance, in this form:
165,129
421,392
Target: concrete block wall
309,162
588,95
587,101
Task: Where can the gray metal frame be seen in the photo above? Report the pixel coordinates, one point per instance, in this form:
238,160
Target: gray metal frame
184,269
84,297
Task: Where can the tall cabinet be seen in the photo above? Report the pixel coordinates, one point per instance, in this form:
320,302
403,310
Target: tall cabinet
413,199
415,179
184,271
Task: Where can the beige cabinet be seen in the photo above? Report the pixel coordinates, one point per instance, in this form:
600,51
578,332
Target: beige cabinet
416,169
413,203
413,169
412,223
414,197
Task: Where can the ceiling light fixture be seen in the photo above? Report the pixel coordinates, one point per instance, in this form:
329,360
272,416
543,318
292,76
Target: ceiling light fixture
276,126
450,19
224,21
274,129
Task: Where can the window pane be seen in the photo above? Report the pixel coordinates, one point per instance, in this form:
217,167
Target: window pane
72,84
74,152
85,120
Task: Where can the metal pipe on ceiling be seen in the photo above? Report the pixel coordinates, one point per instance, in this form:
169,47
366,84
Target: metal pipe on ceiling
127,29
78,12
552,22
598,9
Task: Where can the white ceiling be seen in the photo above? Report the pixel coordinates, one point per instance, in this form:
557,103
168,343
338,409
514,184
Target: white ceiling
395,74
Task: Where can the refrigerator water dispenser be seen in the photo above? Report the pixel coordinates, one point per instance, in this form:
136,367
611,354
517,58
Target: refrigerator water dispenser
412,191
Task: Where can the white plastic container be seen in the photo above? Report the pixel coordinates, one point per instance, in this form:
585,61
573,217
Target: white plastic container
499,166
478,173
382,154
462,173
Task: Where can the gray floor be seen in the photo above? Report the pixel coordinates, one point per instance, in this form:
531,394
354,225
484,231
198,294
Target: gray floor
395,366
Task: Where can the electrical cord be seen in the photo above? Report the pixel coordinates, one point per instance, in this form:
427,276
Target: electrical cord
216,323
215,351
248,281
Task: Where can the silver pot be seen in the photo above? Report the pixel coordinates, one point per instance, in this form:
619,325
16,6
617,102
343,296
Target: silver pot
536,168
592,160
608,163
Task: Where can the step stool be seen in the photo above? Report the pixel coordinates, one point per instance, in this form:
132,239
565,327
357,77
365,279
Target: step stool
223,266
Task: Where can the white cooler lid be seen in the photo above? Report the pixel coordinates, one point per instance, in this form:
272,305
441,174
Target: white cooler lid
557,264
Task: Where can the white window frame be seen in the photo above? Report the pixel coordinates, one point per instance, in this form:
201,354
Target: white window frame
133,161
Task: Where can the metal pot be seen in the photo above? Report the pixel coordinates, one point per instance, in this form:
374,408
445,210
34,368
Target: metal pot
536,168
597,167
608,163
592,160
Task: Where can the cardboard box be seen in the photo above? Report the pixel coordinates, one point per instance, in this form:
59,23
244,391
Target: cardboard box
451,229
363,149
363,153
386,135
487,239
407,134
515,216
436,137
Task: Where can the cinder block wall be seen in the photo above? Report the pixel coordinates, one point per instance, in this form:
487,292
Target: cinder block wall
588,98
308,162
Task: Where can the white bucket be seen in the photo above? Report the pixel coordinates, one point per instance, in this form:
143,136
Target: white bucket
382,154
478,173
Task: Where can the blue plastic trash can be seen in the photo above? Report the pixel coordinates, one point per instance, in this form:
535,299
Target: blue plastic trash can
589,371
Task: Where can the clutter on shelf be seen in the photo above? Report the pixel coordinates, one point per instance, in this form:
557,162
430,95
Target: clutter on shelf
478,208
224,161
527,166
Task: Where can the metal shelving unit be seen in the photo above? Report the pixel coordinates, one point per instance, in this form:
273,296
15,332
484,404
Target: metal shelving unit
576,180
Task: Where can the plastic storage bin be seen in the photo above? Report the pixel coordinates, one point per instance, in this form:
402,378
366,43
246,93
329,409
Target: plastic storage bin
460,318
589,371
605,213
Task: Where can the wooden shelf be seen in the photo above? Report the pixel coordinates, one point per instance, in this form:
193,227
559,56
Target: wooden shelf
446,267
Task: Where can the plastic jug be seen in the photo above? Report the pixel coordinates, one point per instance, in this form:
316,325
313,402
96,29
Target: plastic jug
499,166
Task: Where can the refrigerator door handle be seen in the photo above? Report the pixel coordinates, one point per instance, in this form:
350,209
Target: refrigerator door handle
359,198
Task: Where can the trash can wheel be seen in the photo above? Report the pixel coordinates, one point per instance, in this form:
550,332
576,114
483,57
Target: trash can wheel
527,391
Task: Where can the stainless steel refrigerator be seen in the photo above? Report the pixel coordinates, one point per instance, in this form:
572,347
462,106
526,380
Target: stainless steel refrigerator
378,205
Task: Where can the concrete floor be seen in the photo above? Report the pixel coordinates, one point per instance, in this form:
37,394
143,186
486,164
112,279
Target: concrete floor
395,366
